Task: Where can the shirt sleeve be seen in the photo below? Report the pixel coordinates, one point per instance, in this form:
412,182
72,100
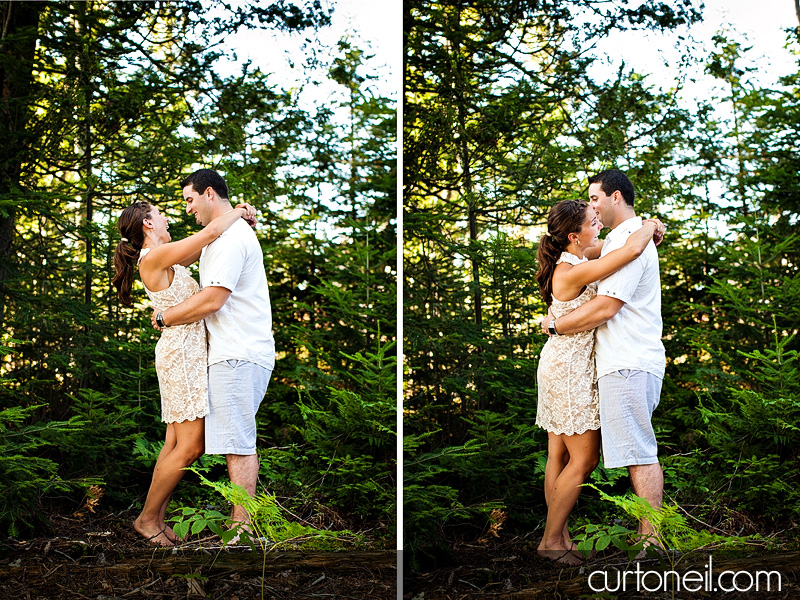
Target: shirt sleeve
623,283
224,262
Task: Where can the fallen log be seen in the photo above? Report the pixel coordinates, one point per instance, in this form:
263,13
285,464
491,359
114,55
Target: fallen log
573,582
246,575
168,562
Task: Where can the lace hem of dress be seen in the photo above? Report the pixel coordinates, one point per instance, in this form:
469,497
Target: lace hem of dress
577,431
185,419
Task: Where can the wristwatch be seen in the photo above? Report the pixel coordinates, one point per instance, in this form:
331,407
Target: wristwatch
160,320
551,327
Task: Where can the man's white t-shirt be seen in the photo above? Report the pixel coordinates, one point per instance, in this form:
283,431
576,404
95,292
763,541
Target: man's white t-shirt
242,328
632,338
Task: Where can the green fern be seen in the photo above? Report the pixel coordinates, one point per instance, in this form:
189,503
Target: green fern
671,529
268,521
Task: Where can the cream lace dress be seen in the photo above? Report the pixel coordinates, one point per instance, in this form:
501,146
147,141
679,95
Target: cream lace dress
568,398
181,354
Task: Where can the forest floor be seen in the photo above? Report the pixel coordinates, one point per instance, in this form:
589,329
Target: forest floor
510,569
100,556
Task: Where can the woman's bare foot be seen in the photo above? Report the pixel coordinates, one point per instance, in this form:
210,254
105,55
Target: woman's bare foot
152,533
567,541
171,535
566,556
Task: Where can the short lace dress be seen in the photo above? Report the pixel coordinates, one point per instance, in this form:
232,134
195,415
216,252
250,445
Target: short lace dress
568,397
181,354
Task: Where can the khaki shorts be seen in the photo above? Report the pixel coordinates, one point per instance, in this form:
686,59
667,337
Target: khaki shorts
627,401
235,391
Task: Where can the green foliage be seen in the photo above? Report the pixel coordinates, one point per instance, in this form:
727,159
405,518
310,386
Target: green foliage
744,377
602,476
494,135
752,435
429,502
146,452
351,439
190,520
120,101
597,538
672,531
268,520
25,473
513,441
109,429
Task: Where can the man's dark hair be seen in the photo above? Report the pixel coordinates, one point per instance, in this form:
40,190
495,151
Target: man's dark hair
614,180
202,179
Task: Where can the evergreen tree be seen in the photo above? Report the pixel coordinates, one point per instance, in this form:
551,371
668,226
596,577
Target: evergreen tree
501,122
498,127
122,101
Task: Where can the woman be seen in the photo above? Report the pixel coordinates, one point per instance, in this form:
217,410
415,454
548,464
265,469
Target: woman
181,351
568,401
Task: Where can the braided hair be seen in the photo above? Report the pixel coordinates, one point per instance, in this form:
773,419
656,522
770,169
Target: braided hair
564,218
128,248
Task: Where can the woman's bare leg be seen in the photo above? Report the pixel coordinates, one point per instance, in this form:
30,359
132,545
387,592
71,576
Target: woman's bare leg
557,458
162,517
189,443
583,451
169,445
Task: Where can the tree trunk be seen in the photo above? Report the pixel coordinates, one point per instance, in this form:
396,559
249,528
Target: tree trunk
84,63
467,192
461,88
20,22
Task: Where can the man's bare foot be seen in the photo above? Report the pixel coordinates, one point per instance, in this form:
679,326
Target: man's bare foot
245,530
651,551
152,533
652,548
240,527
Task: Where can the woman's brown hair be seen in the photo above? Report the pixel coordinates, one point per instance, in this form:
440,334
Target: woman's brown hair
125,256
564,218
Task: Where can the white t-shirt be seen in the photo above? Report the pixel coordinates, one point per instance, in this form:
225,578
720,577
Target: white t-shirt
632,338
242,328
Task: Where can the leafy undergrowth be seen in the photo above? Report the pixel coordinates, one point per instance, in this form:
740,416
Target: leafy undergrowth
476,565
95,554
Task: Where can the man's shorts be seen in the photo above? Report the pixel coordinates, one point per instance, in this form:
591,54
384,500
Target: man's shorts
235,391
627,401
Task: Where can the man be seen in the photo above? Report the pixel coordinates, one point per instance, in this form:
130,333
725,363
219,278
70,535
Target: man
234,301
628,350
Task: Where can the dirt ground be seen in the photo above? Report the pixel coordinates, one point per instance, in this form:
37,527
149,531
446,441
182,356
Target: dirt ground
511,569
102,558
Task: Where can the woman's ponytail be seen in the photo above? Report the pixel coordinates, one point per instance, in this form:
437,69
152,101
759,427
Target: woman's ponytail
127,251
565,217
